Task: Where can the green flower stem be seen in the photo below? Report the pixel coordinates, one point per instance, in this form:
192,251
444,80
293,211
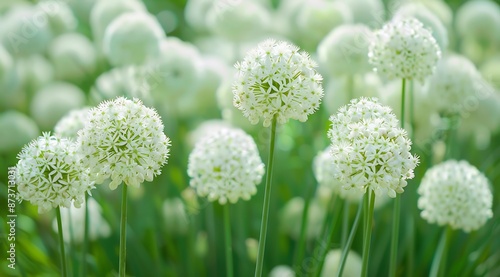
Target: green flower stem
324,249
229,246
397,201
123,233
299,254
329,213
368,203
64,271
349,241
85,238
345,224
439,262
267,200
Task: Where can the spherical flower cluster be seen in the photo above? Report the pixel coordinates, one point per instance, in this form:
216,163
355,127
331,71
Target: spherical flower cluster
352,265
403,48
456,80
123,140
70,124
225,166
457,194
345,50
49,174
479,20
21,130
369,150
276,80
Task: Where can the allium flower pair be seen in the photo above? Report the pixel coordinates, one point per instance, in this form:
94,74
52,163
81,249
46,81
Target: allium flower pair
225,166
369,150
455,193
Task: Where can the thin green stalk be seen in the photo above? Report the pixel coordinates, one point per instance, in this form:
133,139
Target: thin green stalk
123,233
397,201
369,202
267,200
64,271
229,246
329,212
299,254
347,246
345,224
439,262
85,238
324,250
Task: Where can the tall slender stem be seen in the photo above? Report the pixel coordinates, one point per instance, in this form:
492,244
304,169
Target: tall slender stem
64,271
345,223
299,254
229,245
267,200
439,262
348,244
397,201
123,233
85,237
369,202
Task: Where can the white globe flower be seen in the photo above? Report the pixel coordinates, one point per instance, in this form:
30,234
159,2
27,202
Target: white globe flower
225,166
19,130
276,80
367,12
123,140
121,81
71,123
479,20
404,49
344,51
9,81
50,174
34,72
132,39
60,17
352,267
282,271
291,218
455,193
369,149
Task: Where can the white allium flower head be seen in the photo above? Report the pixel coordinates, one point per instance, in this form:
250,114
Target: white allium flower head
345,50
132,39
225,166
403,48
123,140
457,194
479,20
70,124
282,271
370,151
275,79
50,174
20,129
352,265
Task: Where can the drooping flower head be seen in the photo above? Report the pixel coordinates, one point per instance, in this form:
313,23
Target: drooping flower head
49,174
275,79
403,48
225,166
123,140
369,149
457,194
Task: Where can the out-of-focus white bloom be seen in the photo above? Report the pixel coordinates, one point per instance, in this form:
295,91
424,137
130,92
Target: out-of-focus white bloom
71,123
19,129
440,9
252,248
276,80
490,70
403,48
53,101
60,17
282,271
123,140
34,72
455,193
25,30
191,200
370,151
104,12
225,166
479,20
291,218
175,217
367,12
315,19
340,91
205,129
430,21
344,51
352,267
9,80
238,20
73,222
132,39
49,174
229,112
73,57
